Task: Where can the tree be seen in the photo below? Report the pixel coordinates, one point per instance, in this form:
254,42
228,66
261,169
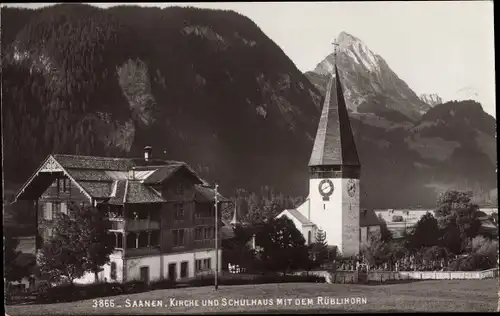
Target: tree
456,207
81,243
236,250
485,247
320,248
375,252
452,239
283,246
13,271
455,210
426,233
385,233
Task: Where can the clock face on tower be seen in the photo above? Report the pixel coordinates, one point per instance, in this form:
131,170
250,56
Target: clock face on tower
351,187
325,188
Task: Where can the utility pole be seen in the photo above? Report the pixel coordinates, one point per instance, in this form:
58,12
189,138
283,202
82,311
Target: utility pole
216,241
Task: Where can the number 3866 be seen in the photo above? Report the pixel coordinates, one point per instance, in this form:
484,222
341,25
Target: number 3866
103,303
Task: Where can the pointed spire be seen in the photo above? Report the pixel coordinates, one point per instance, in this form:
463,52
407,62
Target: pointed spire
234,221
334,143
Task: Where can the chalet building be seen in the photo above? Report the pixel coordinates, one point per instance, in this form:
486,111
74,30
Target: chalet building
162,212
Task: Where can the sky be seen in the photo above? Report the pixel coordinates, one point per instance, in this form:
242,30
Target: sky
435,47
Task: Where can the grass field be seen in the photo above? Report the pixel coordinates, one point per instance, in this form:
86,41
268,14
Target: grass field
423,296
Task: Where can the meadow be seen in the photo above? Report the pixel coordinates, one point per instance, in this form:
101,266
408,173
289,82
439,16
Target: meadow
419,296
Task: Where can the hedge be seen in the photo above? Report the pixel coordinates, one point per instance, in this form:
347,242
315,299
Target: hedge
68,293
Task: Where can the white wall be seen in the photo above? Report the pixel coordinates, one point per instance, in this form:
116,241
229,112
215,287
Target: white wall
154,263
364,235
304,229
133,267
338,217
119,269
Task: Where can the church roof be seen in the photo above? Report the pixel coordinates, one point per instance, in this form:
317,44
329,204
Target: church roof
334,143
298,215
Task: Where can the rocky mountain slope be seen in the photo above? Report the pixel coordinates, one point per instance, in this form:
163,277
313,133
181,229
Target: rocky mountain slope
408,150
210,88
371,86
207,87
431,98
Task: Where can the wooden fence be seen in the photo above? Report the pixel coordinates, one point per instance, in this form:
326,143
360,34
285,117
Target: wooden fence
341,276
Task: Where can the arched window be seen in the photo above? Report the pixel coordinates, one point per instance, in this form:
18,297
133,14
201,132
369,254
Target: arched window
309,237
112,273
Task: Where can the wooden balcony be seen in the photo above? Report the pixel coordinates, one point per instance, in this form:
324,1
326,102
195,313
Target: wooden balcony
206,243
117,224
141,224
204,221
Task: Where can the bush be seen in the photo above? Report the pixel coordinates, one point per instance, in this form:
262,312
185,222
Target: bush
68,292
473,262
241,279
163,284
135,286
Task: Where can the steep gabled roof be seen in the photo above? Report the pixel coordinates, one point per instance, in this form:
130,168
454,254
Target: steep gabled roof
140,193
299,216
206,194
95,163
165,172
115,180
334,143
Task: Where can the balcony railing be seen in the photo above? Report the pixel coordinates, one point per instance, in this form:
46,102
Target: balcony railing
204,220
117,224
205,243
141,224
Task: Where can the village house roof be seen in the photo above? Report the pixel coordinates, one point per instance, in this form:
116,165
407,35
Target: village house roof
334,143
114,180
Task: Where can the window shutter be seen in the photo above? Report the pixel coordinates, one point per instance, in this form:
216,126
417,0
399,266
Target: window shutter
48,211
64,208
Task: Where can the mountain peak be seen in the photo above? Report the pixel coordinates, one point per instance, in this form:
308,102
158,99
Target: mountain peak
370,84
431,98
347,39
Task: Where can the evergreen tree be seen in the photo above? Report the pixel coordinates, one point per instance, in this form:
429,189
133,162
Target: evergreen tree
320,248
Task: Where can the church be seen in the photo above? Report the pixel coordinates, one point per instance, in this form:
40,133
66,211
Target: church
333,203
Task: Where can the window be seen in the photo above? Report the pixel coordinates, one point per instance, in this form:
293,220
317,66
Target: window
112,272
179,211
48,211
155,238
309,237
119,240
143,239
184,269
209,232
180,189
206,264
203,264
63,185
63,208
131,241
198,233
49,232
178,237
145,274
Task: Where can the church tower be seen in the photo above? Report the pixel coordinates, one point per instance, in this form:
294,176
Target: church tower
335,172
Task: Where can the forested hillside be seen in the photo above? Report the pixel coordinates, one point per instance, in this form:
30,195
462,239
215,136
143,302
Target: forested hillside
78,79
210,88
